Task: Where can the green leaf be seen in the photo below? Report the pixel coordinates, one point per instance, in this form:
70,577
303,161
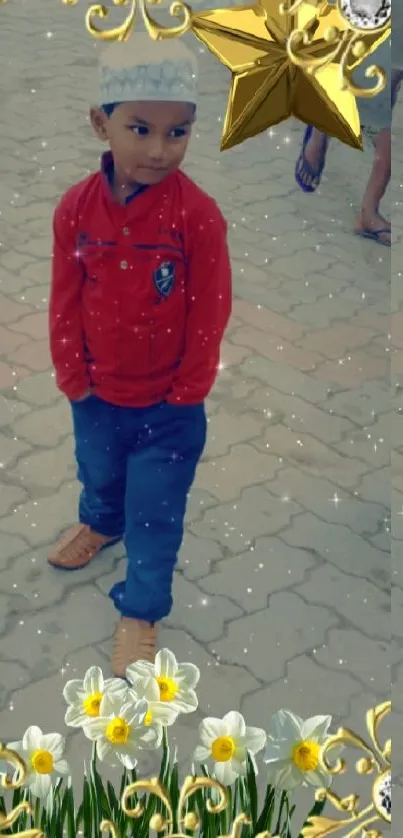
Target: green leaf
243,796
283,799
70,815
17,797
174,793
235,800
24,816
127,826
63,804
87,809
252,792
79,819
124,782
165,762
54,823
286,830
100,798
265,819
114,803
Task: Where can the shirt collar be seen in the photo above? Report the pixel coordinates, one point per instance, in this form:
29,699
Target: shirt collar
108,171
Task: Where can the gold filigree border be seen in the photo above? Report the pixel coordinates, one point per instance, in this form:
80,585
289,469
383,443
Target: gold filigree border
156,31
376,760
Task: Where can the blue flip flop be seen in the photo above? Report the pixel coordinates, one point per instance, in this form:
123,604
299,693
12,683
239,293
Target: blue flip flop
304,170
375,235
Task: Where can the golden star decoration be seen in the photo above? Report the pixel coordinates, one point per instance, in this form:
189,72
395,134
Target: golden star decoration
269,84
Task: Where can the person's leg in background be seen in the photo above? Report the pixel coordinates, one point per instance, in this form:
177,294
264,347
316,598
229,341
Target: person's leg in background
373,112
101,459
370,223
161,470
369,218
312,159
397,78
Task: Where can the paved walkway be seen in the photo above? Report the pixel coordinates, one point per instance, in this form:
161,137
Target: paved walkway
282,594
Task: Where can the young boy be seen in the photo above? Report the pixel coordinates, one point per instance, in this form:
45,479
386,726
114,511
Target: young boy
140,299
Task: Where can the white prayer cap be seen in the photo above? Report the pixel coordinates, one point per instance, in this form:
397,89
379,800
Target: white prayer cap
144,70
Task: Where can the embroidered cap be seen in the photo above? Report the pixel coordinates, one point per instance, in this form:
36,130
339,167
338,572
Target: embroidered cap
143,70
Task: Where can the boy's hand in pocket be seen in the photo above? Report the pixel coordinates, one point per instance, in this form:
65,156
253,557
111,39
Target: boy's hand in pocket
84,397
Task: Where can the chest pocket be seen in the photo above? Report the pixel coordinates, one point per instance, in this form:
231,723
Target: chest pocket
96,256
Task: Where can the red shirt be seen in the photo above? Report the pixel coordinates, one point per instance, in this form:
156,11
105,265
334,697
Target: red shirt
141,293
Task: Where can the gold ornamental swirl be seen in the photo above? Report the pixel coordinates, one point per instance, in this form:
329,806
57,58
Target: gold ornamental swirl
346,46
376,759
290,8
156,31
188,820
7,819
356,49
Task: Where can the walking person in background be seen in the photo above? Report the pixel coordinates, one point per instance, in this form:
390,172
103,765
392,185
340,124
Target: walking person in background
376,115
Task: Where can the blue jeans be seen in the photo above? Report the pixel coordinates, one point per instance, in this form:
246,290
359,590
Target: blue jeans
137,466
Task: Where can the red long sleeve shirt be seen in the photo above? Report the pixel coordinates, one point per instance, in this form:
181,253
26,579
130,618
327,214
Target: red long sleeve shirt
141,293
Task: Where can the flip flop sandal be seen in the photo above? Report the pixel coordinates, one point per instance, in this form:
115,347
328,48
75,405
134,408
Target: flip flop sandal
375,235
308,178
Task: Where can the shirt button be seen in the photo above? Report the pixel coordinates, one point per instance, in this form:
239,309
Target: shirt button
124,265
126,231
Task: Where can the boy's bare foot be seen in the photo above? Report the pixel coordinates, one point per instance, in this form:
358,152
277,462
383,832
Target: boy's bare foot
78,547
134,640
375,227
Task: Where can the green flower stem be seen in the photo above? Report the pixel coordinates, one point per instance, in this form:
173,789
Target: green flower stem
165,742
283,802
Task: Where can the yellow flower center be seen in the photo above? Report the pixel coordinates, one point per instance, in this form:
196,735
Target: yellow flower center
148,718
223,748
92,704
168,688
117,731
42,762
305,755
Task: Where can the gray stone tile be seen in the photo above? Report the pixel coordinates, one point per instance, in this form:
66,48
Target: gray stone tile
245,643
270,563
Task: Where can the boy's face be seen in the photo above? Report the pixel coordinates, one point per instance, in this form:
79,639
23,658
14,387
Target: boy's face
148,140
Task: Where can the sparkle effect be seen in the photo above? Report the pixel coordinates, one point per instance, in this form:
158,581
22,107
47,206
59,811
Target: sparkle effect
284,393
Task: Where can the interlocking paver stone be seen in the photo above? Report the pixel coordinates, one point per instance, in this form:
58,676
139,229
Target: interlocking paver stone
246,639
296,692
283,592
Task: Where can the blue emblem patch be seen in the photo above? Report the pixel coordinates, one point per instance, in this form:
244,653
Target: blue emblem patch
164,278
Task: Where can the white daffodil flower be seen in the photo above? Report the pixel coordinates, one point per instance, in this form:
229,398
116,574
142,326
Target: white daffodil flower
43,756
84,697
226,742
176,681
158,712
119,730
293,750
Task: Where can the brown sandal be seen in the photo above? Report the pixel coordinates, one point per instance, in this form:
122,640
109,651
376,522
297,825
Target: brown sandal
78,547
134,640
